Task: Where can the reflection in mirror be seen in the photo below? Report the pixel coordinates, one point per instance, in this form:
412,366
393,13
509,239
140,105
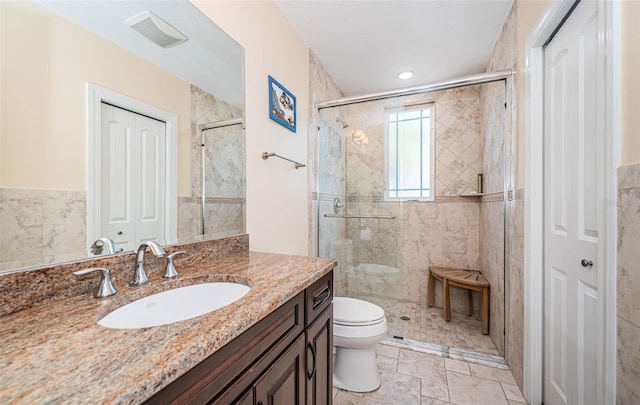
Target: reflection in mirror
51,53
223,177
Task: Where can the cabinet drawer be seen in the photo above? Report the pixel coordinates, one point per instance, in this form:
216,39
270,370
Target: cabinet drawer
318,296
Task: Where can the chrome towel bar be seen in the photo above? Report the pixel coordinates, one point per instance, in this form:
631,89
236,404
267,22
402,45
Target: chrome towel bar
267,155
348,216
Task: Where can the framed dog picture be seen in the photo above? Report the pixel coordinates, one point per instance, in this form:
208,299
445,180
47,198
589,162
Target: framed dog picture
282,105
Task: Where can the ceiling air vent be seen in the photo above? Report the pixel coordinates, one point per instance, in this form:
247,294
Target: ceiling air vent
156,29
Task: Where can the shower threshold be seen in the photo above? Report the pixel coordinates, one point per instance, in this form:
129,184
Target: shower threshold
447,352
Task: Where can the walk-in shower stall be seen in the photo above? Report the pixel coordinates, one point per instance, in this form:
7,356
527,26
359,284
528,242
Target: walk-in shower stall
399,190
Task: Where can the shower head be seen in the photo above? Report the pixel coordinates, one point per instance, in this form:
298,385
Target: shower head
344,124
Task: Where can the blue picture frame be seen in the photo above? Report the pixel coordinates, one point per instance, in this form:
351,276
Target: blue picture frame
282,105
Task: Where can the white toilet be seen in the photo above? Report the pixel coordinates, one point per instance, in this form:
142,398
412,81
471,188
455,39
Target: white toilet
357,327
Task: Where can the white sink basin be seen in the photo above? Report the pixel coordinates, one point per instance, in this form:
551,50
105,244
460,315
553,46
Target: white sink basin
174,305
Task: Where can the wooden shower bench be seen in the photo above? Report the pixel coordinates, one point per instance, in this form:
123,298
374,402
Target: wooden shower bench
469,280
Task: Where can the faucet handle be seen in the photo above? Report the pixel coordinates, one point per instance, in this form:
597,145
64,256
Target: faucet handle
105,288
170,271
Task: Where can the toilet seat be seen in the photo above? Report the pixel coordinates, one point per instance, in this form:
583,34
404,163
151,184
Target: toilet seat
354,312
356,324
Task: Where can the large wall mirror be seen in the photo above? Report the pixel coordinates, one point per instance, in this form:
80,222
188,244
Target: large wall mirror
115,126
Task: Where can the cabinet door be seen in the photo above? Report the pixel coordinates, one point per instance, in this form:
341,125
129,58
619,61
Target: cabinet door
245,399
319,372
284,382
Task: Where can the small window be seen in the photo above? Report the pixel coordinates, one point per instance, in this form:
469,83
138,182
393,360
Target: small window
409,153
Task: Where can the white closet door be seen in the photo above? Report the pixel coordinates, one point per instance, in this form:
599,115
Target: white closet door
132,178
150,195
116,175
574,212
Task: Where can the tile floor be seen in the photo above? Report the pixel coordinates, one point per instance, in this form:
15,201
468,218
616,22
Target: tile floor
411,377
427,325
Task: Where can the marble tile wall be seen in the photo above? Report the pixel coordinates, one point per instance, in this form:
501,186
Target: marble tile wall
439,234
628,286
458,146
492,265
189,218
515,280
225,162
223,217
41,226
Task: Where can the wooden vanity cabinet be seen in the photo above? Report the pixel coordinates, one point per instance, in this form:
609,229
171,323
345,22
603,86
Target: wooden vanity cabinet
284,359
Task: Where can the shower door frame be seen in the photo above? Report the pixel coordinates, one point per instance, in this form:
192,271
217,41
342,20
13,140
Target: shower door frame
508,147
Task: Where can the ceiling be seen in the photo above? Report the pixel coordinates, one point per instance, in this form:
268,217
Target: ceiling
364,44
210,59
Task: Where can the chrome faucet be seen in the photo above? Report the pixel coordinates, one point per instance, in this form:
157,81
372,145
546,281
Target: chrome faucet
140,276
105,288
170,271
101,243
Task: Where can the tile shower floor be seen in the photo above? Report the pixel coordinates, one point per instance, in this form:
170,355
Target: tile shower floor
411,377
427,324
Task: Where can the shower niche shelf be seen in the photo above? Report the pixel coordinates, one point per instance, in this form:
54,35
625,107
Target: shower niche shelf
471,195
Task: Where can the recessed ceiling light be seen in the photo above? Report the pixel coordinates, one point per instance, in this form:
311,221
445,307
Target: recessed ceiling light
406,74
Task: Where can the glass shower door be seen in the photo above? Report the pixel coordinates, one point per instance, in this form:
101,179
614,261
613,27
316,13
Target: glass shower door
356,225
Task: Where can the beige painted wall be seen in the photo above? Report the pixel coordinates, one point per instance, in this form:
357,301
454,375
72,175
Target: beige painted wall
528,14
46,62
630,81
277,197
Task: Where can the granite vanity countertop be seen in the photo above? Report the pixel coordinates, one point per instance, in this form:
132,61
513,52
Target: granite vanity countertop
57,353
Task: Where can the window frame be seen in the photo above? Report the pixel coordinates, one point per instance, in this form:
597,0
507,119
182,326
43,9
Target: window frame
432,155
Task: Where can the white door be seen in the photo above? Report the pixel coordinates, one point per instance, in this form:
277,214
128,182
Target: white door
574,213
132,178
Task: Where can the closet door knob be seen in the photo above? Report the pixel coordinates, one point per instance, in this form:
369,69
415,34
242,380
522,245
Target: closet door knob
586,263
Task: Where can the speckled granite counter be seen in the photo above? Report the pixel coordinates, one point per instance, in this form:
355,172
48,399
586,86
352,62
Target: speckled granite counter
55,352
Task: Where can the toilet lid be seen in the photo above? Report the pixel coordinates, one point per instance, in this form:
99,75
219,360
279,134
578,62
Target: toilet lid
351,311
